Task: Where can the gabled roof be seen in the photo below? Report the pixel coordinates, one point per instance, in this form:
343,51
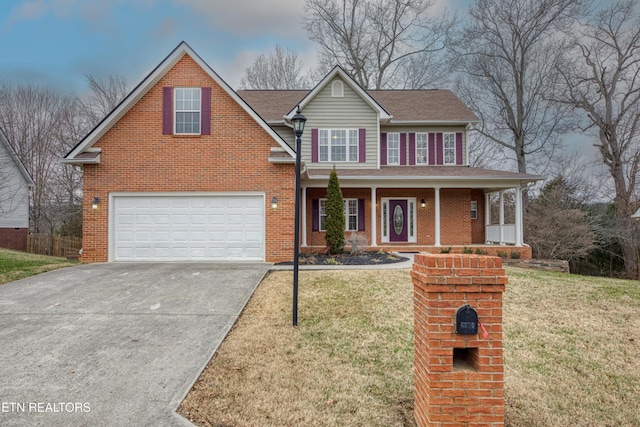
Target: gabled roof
4,141
273,105
430,105
339,71
404,106
84,152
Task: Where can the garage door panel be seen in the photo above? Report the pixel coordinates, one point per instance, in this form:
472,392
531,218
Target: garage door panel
184,228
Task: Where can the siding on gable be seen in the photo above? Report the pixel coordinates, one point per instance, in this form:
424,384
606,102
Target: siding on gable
429,129
347,112
14,194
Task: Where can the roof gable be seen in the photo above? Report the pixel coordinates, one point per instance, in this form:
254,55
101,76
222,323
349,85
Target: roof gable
347,79
8,148
416,106
84,152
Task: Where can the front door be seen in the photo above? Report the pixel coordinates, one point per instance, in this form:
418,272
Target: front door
398,221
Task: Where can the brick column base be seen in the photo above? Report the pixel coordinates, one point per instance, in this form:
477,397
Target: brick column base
459,379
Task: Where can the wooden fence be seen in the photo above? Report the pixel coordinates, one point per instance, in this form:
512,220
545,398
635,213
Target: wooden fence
60,246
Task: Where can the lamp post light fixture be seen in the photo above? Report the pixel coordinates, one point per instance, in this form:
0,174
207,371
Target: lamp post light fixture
298,128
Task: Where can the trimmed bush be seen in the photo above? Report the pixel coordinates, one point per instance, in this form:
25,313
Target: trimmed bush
335,222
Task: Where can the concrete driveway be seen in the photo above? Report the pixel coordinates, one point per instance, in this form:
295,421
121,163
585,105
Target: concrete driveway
114,344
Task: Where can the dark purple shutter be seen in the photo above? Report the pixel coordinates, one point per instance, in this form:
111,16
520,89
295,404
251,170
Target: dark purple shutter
205,114
458,148
314,145
412,148
439,149
167,110
432,149
362,145
360,214
383,148
403,149
315,214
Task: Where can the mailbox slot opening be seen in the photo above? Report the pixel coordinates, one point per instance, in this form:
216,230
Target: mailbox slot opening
465,359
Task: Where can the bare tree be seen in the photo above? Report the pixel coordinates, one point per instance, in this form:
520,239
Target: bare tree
43,125
278,70
30,117
105,95
10,186
381,43
508,51
603,82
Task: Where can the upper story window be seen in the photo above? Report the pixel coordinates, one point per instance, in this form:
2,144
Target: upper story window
393,149
449,149
422,148
187,110
350,214
338,145
337,89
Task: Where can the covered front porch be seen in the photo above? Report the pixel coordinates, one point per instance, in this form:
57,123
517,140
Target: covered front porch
418,217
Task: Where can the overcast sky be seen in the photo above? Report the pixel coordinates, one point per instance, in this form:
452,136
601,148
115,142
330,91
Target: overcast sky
56,42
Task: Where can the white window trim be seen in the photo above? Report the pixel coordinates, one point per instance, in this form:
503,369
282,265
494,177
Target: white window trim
346,214
444,148
474,209
349,145
412,235
389,162
176,111
426,156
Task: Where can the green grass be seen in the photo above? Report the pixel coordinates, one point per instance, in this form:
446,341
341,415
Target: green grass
16,265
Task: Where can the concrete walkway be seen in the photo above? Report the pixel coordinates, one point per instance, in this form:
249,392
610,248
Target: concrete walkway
114,344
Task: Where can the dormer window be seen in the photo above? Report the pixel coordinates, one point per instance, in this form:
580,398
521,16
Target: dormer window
337,89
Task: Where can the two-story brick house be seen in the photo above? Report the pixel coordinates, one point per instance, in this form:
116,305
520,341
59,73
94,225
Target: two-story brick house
186,168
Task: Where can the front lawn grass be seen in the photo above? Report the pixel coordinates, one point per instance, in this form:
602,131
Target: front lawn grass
570,346
16,265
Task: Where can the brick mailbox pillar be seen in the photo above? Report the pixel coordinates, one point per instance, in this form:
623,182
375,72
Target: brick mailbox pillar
459,378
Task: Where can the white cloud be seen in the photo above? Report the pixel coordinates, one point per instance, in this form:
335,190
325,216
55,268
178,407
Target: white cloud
251,17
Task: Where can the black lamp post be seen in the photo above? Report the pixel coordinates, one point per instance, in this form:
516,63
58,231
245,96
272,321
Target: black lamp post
298,127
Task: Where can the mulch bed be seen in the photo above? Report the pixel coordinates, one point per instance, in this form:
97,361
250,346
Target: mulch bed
365,258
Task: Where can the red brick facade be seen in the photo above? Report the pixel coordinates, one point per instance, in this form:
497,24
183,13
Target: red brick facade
14,238
456,225
137,157
459,379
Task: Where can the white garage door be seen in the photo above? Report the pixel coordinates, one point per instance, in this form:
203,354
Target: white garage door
188,228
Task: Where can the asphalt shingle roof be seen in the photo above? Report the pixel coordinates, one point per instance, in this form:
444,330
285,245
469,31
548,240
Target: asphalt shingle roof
403,105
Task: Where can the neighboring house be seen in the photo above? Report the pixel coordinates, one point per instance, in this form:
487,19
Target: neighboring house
185,168
15,183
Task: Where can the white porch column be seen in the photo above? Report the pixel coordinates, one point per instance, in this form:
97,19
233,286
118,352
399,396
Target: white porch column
502,217
304,217
487,209
519,218
374,222
437,219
